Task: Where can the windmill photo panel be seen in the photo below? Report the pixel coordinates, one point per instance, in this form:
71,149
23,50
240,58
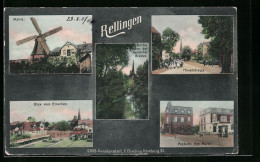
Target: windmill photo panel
51,124
122,81
50,44
197,124
192,44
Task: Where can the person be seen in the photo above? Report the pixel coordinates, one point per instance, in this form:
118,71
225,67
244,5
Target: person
204,62
181,63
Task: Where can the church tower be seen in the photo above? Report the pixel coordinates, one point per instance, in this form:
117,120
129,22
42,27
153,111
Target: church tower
79,118
181,46
132,72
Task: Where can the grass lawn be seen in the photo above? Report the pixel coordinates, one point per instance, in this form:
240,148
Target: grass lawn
65,143
72,143
38,144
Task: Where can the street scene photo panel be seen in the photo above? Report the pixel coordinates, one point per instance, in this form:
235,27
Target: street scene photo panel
192,44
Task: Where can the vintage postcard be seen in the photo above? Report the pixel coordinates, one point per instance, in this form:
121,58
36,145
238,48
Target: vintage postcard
50,44
51,124
192,44
197,124
122,81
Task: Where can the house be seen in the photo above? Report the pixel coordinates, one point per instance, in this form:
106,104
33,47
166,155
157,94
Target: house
85,63
216,120
70,49
32,128
177,120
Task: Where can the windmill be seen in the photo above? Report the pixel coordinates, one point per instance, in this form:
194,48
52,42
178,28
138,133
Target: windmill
40,49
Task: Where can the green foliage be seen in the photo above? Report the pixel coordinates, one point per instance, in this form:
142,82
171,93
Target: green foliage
52,64
169,39
186,52
141,91
46,124
110,56
156,51
31,119
196,129
111,95
161,117
18,136
62,125
113,86
220,30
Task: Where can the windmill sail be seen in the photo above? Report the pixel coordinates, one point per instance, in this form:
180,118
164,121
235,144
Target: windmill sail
26,39
35,24
53,31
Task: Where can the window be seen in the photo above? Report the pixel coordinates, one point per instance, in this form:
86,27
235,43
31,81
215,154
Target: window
175,119
182,111
175,110
223,111
182,119
223,118
188,119
231,118
167,119
188,111
214,117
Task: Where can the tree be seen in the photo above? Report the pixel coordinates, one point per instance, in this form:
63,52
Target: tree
141,91
169,39
186,52
161,117
62,125
220,30
31,119
112,84
196,129
200,51
156,51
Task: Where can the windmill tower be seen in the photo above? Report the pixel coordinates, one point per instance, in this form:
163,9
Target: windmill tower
40,49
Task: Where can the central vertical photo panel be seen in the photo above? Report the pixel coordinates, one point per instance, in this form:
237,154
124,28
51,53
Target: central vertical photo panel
122,81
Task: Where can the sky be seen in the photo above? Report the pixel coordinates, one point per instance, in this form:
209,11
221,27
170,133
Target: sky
21,110
198,106
137,60
73,31
187,27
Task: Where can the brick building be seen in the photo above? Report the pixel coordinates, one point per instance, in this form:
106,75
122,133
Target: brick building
217,121
177,120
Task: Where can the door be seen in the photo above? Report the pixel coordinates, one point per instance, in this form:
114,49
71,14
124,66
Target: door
68,53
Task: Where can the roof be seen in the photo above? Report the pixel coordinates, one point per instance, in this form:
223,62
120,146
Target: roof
15,123
194,51
178,109
215,110
154,30
86,47
88,122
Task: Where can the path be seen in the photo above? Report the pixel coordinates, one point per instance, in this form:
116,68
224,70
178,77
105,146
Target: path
169,141
194,68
